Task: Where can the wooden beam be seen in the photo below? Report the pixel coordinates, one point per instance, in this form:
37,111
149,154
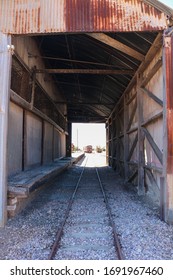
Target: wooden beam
133,176
151,178
152,167
5,70
153,144
132,116
141,160
151,95
152,72
133,129
133,147
128,101
168,124
83,103
117,45
152,119
126,141
148,58
24,104
86,71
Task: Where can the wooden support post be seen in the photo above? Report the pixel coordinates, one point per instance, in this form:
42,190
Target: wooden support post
126,141
107,144
68,140
5,71
24,140
141,177
162,199
33,89
42,142
168,124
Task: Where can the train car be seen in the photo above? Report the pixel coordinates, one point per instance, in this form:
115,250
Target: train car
88,149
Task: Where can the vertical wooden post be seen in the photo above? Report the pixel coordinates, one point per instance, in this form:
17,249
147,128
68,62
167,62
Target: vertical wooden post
141,175
168,123
126,141
107,144
24,140
5,70
42,142
68,140
33,88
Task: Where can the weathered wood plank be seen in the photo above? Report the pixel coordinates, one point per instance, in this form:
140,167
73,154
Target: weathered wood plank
141,174
168,123
24,104
133,176
153,144
152,119
152,72
126,141
131,99
151,178
153,167
151,95
133,147
157,44
86,71
132,116
117,45
5,72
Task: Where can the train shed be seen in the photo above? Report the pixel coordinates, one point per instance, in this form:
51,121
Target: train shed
106,61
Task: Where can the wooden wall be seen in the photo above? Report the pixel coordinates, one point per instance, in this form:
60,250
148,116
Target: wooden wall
135,131
32,141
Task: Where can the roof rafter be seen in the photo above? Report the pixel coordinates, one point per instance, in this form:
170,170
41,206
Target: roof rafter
117,45
87,71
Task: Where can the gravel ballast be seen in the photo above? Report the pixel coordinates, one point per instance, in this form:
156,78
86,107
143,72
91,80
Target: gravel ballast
143,236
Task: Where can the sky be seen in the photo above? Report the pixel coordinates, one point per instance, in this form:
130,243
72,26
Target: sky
167,2
88,134
95,134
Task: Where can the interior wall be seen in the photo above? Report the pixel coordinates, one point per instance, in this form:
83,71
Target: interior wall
15,139
33,140
48,143
135,130
57,143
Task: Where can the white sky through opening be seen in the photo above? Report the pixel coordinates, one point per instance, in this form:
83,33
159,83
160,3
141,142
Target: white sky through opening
84,134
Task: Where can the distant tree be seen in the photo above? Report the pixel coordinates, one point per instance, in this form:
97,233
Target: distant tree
98,149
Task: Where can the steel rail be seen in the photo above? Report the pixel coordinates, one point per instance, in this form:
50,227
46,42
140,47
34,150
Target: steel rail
71,200
115,236
60,231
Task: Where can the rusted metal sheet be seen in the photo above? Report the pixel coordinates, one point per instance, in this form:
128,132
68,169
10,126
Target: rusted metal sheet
112,15
53,16
32,16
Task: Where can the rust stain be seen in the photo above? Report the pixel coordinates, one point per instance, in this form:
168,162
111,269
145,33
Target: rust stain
112,15
43,16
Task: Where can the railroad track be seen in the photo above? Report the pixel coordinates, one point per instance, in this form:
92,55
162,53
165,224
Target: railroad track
88,230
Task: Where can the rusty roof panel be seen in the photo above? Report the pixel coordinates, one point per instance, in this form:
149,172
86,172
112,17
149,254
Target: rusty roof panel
113,15
32,16
43,16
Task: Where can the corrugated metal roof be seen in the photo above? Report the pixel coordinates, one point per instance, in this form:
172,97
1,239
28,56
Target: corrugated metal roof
43,16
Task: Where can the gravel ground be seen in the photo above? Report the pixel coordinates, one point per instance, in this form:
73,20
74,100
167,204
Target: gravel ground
142,234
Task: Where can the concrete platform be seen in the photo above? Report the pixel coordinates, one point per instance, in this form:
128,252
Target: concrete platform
22,185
